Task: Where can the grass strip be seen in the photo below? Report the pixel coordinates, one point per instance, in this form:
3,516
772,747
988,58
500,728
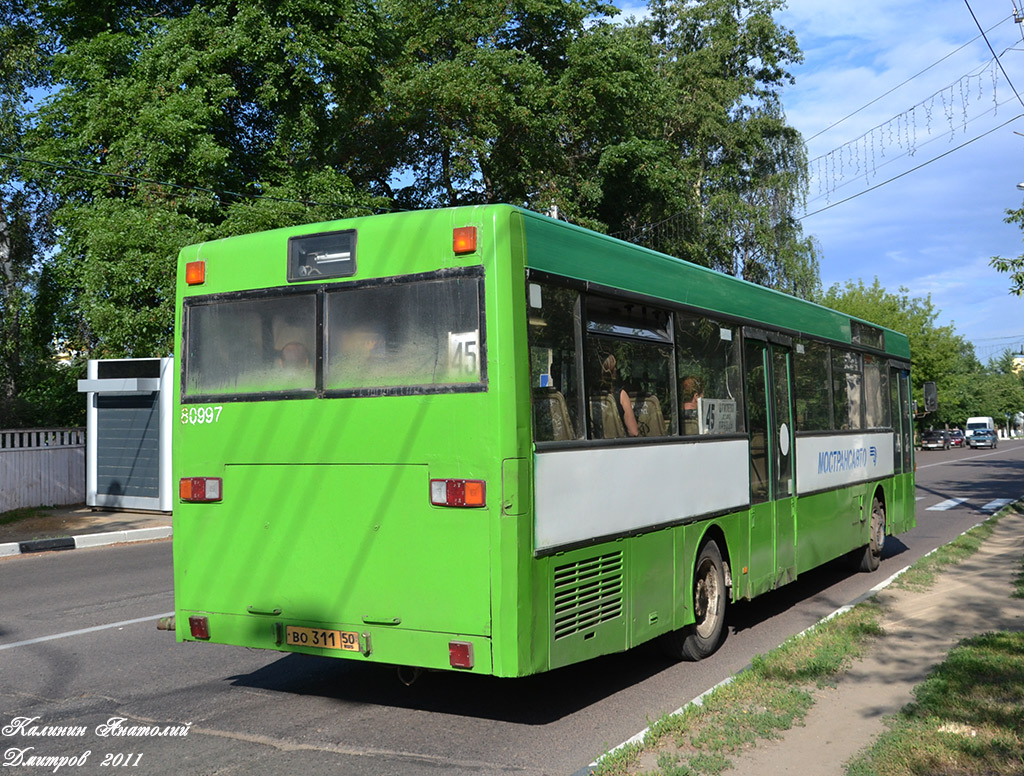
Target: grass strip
967,717
922,574
760,703
22,513
1018,584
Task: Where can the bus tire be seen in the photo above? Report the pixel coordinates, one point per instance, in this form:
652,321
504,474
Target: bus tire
701,639
871,555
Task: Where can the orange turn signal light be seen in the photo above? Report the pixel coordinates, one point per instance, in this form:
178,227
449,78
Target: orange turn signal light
195,273
464,240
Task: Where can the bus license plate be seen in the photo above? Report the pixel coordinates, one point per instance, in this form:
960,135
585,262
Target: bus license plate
296,636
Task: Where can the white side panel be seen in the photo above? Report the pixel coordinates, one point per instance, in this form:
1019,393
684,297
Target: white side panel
831,462
587,493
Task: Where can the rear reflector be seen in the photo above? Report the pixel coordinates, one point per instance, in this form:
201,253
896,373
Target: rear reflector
200,627
457,493
200,489
460,654
195,273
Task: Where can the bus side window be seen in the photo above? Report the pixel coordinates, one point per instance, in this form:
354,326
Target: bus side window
876,390
640,369
813,390
709,385
847,390
551,328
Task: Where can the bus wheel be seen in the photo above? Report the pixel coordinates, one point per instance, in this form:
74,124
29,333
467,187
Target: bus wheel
697,641
872,554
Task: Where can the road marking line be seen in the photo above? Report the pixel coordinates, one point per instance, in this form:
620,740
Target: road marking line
949,503
93,629
994,506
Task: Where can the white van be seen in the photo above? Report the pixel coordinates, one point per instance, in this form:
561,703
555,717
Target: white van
977,424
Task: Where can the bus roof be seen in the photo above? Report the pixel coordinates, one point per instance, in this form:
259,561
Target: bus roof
557,247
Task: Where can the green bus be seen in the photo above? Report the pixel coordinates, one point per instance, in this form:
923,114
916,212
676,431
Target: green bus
481,439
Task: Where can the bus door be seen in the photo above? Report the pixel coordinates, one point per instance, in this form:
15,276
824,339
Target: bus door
768,363
901,514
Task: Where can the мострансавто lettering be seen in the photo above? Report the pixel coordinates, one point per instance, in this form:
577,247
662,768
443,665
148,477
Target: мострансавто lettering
832,461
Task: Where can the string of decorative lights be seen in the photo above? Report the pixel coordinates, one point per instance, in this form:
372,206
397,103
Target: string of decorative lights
900,135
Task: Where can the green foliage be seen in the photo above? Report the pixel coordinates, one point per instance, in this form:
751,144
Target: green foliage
178,110
35,389
1012,267
965,387
134,128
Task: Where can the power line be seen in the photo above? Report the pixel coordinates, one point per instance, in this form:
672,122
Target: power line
890,160
1010,338
904,83
927,104
907,172
998,61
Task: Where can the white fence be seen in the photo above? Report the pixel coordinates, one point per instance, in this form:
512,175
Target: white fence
41,466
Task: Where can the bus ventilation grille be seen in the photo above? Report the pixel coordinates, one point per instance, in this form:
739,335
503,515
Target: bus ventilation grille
587,593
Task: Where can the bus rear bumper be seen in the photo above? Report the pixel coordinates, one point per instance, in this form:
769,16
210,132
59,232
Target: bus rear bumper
390,644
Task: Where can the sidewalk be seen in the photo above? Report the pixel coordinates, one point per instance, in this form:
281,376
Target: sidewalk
77,526
920,629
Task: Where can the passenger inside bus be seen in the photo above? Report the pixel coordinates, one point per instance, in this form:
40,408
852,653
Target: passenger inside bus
623,404
690,390
293,357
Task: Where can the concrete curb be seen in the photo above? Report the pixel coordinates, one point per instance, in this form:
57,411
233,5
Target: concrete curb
86,540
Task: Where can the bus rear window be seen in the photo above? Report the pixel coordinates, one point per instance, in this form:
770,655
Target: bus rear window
416,334
250,345
403,334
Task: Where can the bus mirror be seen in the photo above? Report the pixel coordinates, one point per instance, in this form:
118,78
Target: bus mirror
931,397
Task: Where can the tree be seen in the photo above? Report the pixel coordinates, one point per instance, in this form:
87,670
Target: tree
179,122
36,390
725,64
1001,393
666,131
1012,267
130,129
468,108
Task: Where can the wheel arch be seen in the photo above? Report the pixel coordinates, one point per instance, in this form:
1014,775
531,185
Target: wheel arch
713,532
882,495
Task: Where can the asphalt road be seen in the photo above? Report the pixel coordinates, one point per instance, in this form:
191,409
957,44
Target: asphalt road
79,648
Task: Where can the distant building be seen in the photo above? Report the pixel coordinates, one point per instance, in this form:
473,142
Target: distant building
1018,363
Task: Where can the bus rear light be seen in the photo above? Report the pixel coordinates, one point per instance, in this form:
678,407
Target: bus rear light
195,273
457,493
200,627
464,240
200,489
460,654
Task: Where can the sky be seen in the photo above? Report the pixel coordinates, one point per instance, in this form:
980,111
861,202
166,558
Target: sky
925,92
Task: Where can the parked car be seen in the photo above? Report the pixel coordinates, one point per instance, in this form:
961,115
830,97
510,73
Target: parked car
956,437
935,440
983,437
